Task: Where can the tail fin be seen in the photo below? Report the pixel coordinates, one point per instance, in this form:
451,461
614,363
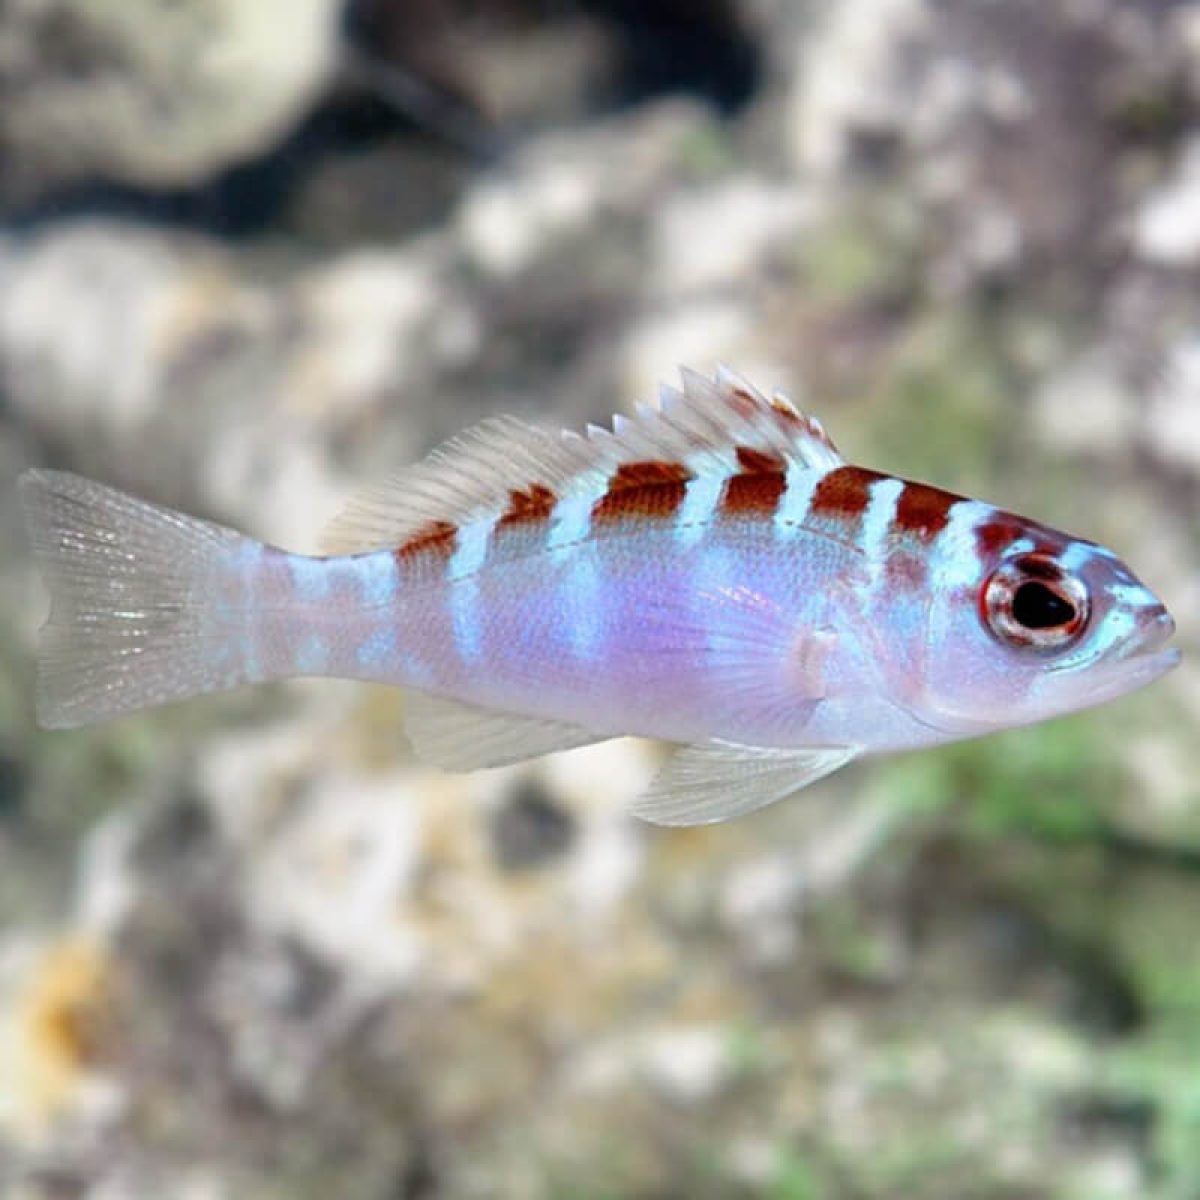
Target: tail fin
136,610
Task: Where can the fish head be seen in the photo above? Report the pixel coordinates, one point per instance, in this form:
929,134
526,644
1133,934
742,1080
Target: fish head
1037,624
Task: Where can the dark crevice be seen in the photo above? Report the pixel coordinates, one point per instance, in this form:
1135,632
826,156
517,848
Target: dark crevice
397,95
530,829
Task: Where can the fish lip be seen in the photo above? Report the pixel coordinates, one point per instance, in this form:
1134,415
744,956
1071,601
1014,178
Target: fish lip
1135,671
1145,660
1155,627
1157,662
1149,653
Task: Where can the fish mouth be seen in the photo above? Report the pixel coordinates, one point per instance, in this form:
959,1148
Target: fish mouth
1143,658
1147,655
1142,668
1155,628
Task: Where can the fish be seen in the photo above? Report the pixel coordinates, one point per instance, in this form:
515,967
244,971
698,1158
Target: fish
709,572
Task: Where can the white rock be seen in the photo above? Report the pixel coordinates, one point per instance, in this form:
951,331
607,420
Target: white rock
598,783
107,881
336,873
761,901
719,235
1085,408
847,79
1167,228
161,94
1173,419
509,221
82,312
686,1064
700,335
365,312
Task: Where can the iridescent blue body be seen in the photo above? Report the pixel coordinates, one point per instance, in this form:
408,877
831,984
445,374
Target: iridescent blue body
711,573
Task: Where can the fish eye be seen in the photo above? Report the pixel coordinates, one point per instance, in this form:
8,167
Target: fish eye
1031,603
1035,606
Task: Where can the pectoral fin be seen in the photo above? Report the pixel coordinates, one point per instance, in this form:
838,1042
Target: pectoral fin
718,780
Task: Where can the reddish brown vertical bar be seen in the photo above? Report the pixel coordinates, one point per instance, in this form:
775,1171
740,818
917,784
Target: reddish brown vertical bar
843,495
923,511
995,535
760,493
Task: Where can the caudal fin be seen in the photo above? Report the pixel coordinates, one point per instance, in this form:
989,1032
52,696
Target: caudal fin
139,609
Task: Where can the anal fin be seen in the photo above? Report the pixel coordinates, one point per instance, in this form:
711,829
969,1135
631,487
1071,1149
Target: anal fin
718,780
463,737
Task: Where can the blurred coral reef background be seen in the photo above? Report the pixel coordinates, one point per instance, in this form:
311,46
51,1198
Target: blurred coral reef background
253,255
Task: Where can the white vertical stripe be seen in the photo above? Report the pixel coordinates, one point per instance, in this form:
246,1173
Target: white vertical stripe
571,525
884,495
470,548
955,560
566,544
378,579
310,577
796,500
701,499
584,632
470,554
377,651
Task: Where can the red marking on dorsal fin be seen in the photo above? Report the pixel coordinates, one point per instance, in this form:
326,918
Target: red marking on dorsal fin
437,535
648,474
758,462
811,427
923,511
643,489
535,503
844,493
743,400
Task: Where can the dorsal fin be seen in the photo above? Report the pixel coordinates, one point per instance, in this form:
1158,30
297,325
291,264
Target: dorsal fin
496,464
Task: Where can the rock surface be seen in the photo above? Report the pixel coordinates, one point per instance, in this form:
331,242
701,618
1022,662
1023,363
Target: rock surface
152,93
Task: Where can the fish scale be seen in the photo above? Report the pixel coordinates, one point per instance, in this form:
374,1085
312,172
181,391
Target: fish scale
709,572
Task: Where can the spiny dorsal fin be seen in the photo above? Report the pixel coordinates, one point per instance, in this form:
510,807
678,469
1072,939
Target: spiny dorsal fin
482,471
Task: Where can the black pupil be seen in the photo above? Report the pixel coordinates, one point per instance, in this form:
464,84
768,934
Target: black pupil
1037,607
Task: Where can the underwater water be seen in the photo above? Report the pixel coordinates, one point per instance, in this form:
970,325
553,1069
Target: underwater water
252,257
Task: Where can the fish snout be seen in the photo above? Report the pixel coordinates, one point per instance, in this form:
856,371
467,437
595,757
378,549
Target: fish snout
1155,626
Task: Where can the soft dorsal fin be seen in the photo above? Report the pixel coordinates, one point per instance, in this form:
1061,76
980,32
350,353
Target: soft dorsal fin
477,474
